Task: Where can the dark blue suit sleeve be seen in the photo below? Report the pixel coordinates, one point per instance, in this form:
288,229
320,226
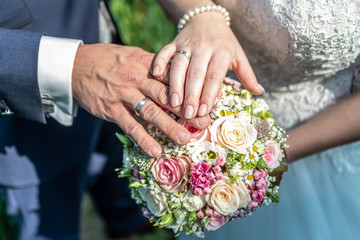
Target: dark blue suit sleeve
19,88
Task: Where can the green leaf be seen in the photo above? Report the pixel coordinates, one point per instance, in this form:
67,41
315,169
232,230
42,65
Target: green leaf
124,139
192,217
124,172
136,184
274,197
165,220
261,164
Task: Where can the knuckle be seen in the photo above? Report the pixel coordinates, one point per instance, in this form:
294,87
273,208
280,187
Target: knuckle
149,112
214,77
131,76
195,73
163,95
201,44
133,131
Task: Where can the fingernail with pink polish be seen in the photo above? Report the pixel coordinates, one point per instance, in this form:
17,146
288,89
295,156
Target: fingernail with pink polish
154,151
202,110
156,70
182,137
174,101
189,112
261,88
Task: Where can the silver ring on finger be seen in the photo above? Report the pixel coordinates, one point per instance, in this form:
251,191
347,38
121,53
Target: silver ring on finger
185,53
140,104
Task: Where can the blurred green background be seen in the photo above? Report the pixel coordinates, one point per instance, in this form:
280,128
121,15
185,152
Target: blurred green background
140,23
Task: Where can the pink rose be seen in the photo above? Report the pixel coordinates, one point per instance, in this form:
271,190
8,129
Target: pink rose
216,222
252,204
221,161
262,183
197,135
171,173
264,172
257,174
217,169
200,214
272,154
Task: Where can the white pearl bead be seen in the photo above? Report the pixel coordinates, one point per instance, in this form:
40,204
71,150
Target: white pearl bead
186,17
202,9
191,13
196,10
182,21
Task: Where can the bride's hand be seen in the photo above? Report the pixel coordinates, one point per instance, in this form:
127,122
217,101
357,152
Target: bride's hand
214,49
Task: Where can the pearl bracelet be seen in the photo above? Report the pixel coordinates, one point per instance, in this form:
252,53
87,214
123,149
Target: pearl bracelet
207,8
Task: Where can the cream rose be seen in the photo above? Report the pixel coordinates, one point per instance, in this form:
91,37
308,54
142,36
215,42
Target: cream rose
156,203
232,133
226,198
193,202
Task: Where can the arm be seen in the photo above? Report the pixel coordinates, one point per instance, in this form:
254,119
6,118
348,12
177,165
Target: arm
336,126
214,49
108,80
18,73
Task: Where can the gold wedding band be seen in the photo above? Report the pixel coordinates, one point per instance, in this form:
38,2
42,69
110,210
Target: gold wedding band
140,104
185,53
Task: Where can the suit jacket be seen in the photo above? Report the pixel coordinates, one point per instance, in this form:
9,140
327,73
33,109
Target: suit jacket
52,148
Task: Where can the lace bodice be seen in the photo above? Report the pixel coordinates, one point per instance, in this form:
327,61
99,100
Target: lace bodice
302,51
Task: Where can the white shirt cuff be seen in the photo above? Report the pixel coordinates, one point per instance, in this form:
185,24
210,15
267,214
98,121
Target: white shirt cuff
55,65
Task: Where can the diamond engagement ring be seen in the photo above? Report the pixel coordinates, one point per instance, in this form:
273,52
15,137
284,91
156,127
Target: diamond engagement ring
140,104
185,53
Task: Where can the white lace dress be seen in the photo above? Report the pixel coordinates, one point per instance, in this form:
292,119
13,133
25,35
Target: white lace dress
304,53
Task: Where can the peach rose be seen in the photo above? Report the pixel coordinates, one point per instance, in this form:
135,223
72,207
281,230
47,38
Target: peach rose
226,198
232,133
171,173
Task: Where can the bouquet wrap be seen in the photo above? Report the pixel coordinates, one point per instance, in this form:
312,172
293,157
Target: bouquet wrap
224,173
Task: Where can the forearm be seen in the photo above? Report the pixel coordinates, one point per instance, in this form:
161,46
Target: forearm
336,126
175,9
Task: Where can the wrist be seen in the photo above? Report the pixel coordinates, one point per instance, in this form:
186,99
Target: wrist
201,11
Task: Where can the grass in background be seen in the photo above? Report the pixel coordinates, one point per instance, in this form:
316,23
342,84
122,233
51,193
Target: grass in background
142,23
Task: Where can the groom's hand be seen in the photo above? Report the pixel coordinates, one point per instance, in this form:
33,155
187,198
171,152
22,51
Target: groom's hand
110,80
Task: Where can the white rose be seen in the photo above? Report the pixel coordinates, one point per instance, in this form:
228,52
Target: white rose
245,116
207,152
193,202
156,203
260,106
232,133
226,198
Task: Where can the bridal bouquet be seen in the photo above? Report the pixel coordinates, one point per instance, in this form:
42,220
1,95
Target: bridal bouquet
224,173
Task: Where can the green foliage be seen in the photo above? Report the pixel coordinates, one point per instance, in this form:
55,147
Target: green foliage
8,226
142,23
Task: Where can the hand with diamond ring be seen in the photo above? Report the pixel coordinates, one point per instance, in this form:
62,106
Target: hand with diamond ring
202,53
